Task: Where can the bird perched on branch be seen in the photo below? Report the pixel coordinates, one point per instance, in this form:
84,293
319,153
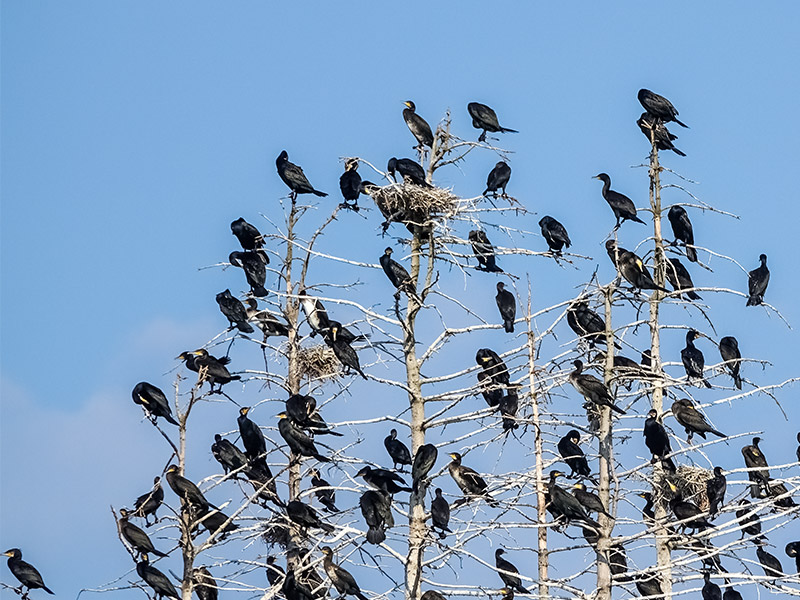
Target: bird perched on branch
137,538
755,460
397,274
383,480
484,251
186,490
326,497
265,320
659,107
770,563
632,268
662,135
275,573
507,306
564,504
302,410
299,443
440,514
508,406
25,572
316,315
591,388
750,523
687,511
573,455
492,392
757,281
350,184
793,550
294,178
554,234
508,572
254,264
657,440
679,278
249,237
586,323
410,170
160,583
493,366
715,490
227,454
485,118
234,311
682,230
622,206
345,354
376,508
418,126
399,452
305,516
468,480
153,400
210,368
729,351
341,579
147,504
589,500
424,460
692,419
255,445
710,591
693,359
498,179
204,584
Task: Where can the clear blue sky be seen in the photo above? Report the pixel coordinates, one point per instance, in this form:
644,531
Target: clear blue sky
134,132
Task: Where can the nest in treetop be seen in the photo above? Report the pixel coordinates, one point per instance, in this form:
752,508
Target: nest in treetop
410,203
691,483
277,532
318,362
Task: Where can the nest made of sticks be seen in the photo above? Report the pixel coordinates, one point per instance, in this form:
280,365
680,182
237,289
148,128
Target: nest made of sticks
318,362
409,202
277,532
691,484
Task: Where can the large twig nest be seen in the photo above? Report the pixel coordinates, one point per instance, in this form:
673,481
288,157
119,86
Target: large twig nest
318,362
276,532
691,484
412,203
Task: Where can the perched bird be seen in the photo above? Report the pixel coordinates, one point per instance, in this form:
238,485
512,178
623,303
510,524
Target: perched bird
687,511
254,264
498,179
715,490
573,455
275,573
493,365
302,410
632,268
589,500
659,107
710,591
186,490
682,230
419,127
147,504
591,388
293,589
692,358
424,460
260,477
770,563
305,516
554,234
755,460
383,480
757,281
618,561
692,419
293,176
491,391
399,452
621,205
215,522
729,351
255,445
135,536
397,273
780,493
731,594
657,440
566,505
484,251
315,312
161,585
153,400
249,237
468,480
25,572
440,514
649,586
210,368
508,406
507,306
648,514
508,572
339,331
410,170
345,353
299,442
679,278
234,311
228,455
793,550
376,508
324,492
265,320
485,118
663,138
586,323
204,584
341,579
350,183
748,520
797,452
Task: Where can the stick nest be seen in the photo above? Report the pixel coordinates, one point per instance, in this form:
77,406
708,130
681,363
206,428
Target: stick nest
412,203
691,483
318,362
277,532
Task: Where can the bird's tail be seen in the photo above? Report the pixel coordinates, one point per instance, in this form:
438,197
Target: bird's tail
361,596
259,291
708,385
171,419
244,327
326,527
679,153
693,295
509,325
48,590
637,219
158,553
616,408
521,589
318,193
376,535
331,507
754,300
322,458
507,130
691,254
737,381
235,377
718,433
680,123
405,489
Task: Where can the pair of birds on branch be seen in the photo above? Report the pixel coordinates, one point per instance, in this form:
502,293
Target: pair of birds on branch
483,118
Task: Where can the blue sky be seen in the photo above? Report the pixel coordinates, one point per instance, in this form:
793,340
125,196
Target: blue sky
134,132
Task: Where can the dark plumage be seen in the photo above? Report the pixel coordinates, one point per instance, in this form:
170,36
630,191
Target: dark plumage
350,183
136,537
731,594
682,230
305,516
507,306
750,523
216,522
484,251
586,323
663,137
186,490
508,572
648,514
757,281
265,320
658,106
491,391
679,278
326,497
755,460
508,406
254,264
147,504
591,388
294,178
632,268
573,455
618,561
228,455
649,586
729,351
793,550
234,311
298,441
589,500
554,234
693,359
493,366
161,585
302,410
204,584
440,514
376,508
710,591
770,563
211,369
424,460
249,237
25,572
153,400
498,179
275,573
255,445
339,331
410,170
485,118
417,125
468,480
341,579
687,511
399,452
383,480
396,273
316,315
715,490
657,440
345,353
622,206
692,419
566,505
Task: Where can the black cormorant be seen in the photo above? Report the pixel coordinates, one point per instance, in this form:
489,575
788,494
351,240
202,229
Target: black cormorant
715,491
687,511
710,591
508,572
419,127
345,353
658,106
663,137
302,410
25,572
213,368
265,320
293,176
493,365
623,207
484,251
434,595
204,584
729,351
591,388
589,500
692,358
468,480
491,391
750,523
339,331
376,508
161,585
507,306
682,230
648,514
147,504
440,514
679,278
234,311
305,516
249,237
228,455
692,419
566,505
755,460
399,452
793,550
186,490
770,563
410,170
324,492
350,183
153,400
498,179
275,573
255,445
757,282
485,118
573,455
508,406
254,264
341,579
316,315
424,460
554,234
731,594
586,323
396,273
649,586
632,268
384,480
657,440
298,441
136,537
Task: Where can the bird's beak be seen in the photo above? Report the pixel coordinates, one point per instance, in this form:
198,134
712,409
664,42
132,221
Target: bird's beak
595,177
8,554
451,455
672,487
407,104
196,353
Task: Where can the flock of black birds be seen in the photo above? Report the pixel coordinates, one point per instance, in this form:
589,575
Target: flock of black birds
301,422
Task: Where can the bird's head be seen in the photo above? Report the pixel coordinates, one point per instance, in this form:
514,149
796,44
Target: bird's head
364,472
611,245
602,177
410,105
455,456
555,474
184,356
172,469
388,251
500,286
499,552
326,550
283,157
652,414
393,434
579,486
244,410
763,259
13,553
438,491
578,364
574,436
